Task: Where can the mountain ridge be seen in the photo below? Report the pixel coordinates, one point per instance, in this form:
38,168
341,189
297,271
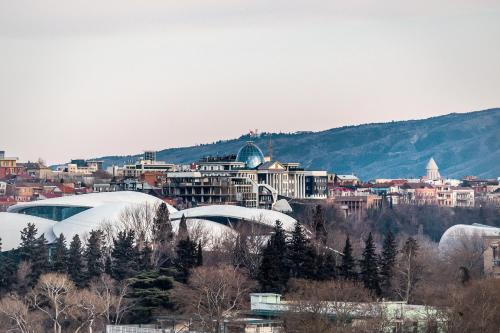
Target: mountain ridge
461,143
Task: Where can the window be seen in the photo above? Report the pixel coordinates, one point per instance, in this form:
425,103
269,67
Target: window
56,213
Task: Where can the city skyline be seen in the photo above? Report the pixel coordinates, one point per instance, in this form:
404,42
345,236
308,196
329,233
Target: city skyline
169,74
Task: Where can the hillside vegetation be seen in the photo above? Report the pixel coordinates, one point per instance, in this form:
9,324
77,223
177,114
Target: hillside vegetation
462,144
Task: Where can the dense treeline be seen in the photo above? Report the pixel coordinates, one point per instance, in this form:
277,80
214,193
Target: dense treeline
137,271
384,274
411,220
145,269
368,149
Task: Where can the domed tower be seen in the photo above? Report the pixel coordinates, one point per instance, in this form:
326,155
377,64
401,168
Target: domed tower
251,155
432,170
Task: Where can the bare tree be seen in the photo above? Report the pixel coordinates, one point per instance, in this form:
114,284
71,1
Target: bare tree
199,233
112,295
312,303
50,297
475,307
86,308
409,269
139,218
213,294
17,311
466,253
246,248
22,280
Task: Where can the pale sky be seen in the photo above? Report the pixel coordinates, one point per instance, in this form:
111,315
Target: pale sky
98,77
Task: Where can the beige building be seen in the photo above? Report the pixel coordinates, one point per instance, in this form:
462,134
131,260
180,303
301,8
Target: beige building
358,204
38,170
463,197
491,256
450,196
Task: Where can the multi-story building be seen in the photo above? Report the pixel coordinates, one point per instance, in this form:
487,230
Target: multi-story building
147,164
450,196
80,167
418,194
247,179
493,198
346,180
463,197
207,189
8,166
37,170
23,193
491,256
150,155
358,204
316,184
143,166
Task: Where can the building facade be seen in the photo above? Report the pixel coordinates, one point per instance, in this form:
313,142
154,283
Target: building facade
491,256
248,179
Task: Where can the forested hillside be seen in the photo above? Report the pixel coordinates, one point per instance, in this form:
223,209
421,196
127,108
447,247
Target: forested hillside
462,144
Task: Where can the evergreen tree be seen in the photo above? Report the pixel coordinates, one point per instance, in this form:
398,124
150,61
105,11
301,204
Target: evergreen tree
163,237
186,258
39,261
300,255
162,227
273,271
369,266
326,266
199,255
7,270
108,265
145,254
347,267
28,246
183,229
387,262
240,252
93,255
320,232
123,255
150,291
410,269
59,257
75,259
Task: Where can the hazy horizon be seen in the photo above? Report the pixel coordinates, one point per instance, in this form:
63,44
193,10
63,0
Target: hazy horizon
92,78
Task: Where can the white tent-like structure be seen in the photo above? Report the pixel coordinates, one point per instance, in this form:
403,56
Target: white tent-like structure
461,234
12,224
80,214
228,213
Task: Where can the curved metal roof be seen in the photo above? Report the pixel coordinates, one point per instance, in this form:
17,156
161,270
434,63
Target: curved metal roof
459,233
94,200
261,216
11,225
107,208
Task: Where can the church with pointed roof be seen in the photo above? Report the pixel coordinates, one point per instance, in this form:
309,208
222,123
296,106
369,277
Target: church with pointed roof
432,170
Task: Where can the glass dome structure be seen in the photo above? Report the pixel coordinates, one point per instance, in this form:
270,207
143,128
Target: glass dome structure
251,155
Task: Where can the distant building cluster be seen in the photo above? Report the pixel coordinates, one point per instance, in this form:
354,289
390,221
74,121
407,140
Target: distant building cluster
355,197
247,178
